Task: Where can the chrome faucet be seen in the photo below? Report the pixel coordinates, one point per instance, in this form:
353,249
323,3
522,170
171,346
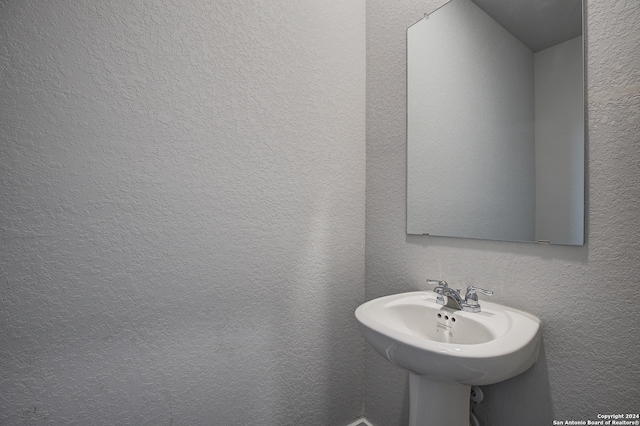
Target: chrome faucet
453,298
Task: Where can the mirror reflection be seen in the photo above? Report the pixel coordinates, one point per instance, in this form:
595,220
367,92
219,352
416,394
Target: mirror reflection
495,125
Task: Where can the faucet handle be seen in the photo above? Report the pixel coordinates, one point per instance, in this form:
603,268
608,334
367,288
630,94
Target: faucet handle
472,294
438,283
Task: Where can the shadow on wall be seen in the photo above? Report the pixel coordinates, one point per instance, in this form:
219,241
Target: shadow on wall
528,394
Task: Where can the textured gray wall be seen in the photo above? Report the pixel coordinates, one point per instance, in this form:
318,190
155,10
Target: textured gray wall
182,188
587,297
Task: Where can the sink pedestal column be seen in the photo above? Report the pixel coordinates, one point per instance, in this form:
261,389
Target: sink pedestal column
437,404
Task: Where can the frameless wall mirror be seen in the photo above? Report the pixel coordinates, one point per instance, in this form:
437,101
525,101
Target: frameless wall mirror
495,125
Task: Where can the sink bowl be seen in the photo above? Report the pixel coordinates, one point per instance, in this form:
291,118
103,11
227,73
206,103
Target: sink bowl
412,331
447,351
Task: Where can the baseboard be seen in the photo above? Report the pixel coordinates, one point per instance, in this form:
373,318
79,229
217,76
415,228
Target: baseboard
361,422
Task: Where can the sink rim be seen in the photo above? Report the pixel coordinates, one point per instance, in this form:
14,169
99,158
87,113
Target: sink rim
518,334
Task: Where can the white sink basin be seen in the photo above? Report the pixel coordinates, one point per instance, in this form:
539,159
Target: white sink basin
412,331
448,350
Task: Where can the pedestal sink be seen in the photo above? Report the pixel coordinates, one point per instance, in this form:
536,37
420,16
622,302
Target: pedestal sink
447,351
